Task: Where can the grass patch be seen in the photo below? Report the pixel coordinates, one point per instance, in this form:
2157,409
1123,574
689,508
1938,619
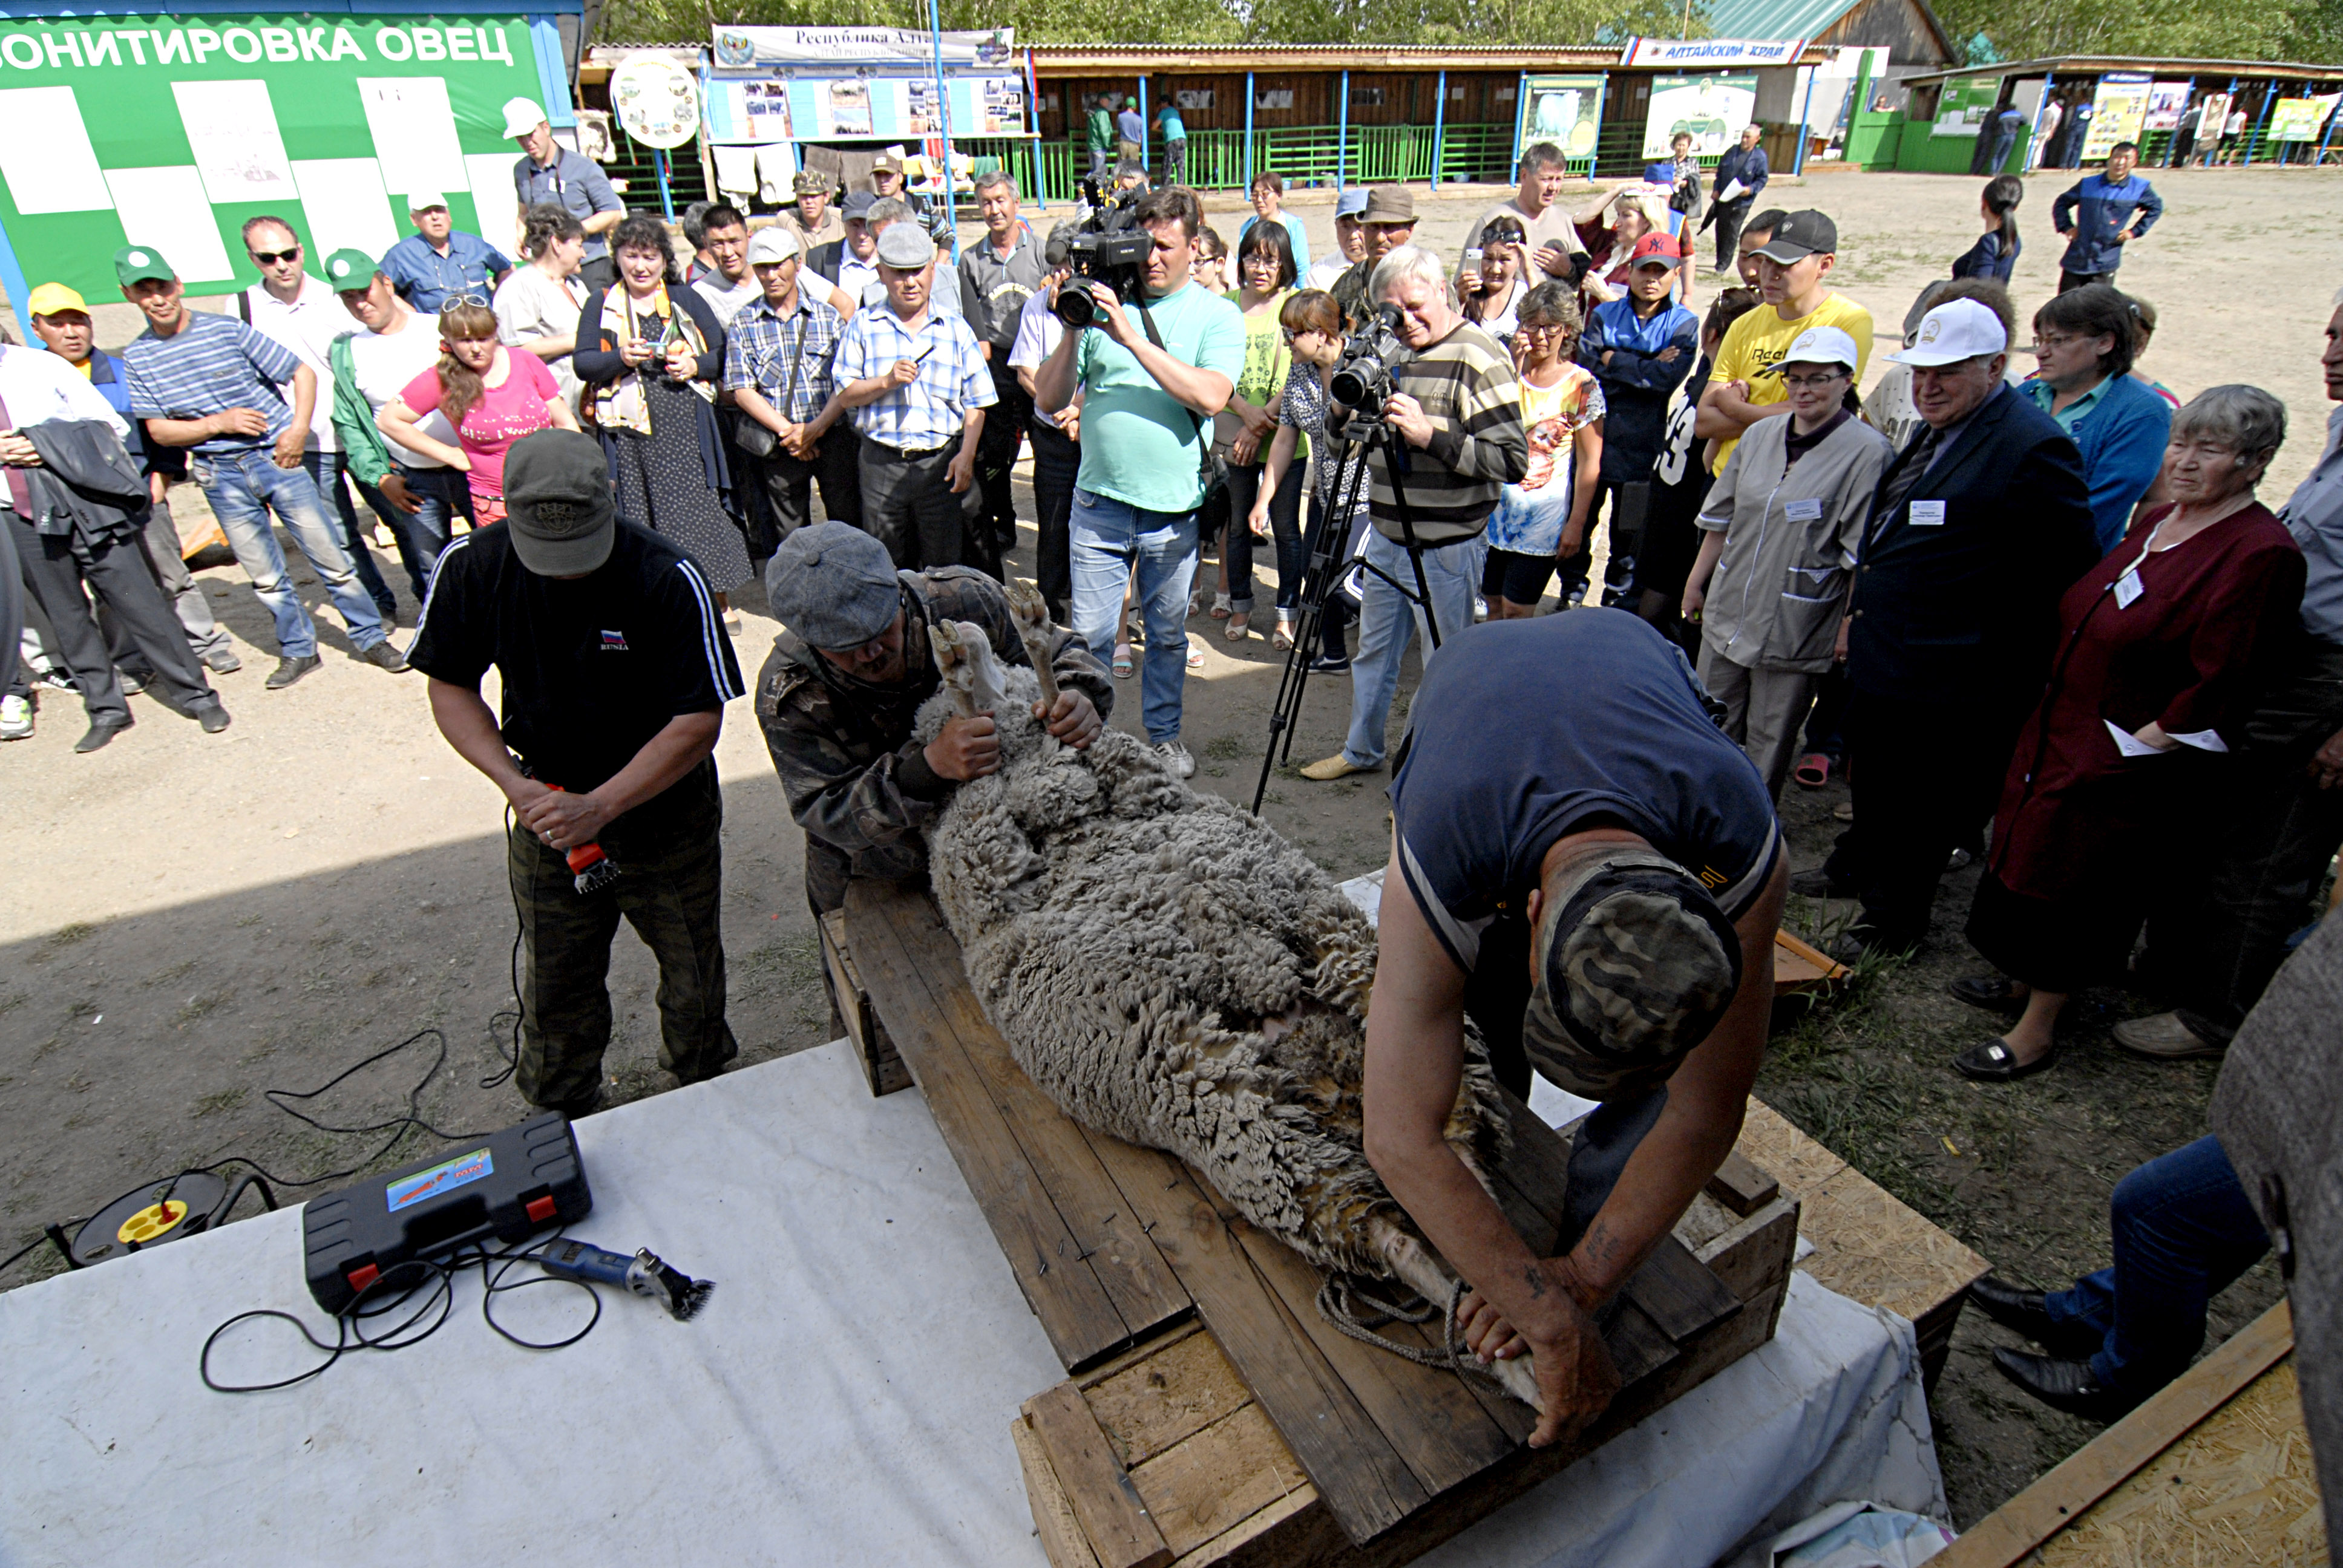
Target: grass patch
64,936
165,977
198,1005
225,1100
1225,748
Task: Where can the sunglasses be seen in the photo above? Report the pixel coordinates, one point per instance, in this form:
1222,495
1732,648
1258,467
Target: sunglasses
271,258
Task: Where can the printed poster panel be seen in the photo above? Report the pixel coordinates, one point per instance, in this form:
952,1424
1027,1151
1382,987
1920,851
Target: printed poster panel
2211,116
1562,110
2298,119
2166,100
1712,109
1965,106
2121,104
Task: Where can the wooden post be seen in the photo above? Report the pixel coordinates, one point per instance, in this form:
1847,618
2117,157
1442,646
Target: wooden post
2332,116
2269,101
1521,121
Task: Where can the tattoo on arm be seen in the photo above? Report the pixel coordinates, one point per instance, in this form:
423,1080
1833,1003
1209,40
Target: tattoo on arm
1534,1279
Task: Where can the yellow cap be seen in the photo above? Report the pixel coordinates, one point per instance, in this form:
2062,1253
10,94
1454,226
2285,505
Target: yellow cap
51,297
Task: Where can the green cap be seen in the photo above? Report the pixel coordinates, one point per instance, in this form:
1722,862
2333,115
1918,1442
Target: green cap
138,263
349,270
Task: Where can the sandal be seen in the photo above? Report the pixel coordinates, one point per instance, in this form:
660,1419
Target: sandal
1240,624
1195,653
1994,993
1813,769
1221,610
1993,1062
1282,640
1122,662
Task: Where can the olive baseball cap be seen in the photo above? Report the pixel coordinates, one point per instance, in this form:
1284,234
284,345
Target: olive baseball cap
1639,966
558,504
1389,204
833,585
350,270
140,263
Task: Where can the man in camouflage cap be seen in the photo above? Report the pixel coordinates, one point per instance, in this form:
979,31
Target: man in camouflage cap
847,674
1585,866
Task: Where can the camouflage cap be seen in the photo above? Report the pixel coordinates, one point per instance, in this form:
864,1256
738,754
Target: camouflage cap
1640,964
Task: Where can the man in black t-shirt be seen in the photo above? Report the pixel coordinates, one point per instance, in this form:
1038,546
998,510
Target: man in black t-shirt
1583,863
615,670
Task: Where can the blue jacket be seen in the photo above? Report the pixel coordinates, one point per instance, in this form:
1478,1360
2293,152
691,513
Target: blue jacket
2096,212
2122,440
1748,167
1988,259
1637,384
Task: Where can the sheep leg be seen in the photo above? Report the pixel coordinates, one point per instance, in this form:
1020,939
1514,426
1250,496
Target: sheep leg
1031,614
1422,1270
944,638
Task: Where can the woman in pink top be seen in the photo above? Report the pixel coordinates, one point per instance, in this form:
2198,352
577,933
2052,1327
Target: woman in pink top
491,396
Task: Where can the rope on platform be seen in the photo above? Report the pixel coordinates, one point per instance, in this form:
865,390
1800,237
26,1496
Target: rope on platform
1345,1301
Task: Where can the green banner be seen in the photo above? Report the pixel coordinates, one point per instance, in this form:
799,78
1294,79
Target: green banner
170,132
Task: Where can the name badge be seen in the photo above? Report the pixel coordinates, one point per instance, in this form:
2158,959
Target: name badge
2129,588
1927,513
1807,511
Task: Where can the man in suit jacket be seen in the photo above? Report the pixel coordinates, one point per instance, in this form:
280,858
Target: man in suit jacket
1978,526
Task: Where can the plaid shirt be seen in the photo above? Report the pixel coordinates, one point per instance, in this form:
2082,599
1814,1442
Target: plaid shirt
953,377
761,347
212,364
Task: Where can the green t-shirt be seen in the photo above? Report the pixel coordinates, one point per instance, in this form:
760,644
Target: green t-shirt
1139,442
1266,362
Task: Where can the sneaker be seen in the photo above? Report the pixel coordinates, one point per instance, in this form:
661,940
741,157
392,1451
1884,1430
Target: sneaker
1327,664
222,661
1480,609
385,655
1176,758
15,717
56,680
289,670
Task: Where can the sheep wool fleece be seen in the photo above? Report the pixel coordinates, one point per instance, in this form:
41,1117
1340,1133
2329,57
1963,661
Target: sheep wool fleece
1170,970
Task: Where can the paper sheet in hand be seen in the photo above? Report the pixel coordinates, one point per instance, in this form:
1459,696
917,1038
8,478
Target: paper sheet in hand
414,134
164,208
1733,191
346,205
232,128
45,154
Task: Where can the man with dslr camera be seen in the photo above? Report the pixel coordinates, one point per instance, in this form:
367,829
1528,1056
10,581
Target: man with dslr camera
1454,405
1151,378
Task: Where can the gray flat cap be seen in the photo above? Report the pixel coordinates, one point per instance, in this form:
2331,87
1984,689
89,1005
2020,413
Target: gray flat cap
905,245
833,585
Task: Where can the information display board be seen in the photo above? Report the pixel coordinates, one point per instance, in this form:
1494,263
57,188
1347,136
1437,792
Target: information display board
171,131
2298,119
1712,109
1965,106
2166,101
2120,106
811,104
1563,110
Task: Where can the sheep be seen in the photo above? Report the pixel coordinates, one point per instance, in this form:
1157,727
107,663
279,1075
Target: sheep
1169,971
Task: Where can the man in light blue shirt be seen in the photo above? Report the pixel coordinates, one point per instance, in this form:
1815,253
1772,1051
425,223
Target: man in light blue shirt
1151,376
439,261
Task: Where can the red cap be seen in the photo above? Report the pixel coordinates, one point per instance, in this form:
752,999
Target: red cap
1662,246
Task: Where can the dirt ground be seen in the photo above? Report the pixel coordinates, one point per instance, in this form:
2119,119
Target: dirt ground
193,921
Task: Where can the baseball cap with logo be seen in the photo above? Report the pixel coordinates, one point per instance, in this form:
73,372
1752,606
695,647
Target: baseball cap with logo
1817,345
557,506
906,244
1955,330
1655,250
139,263
887,162
1639,966
1800,235
774,244
522,116
1389,204
50,298
350,270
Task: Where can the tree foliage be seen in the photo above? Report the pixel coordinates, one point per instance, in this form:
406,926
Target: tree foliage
2307,30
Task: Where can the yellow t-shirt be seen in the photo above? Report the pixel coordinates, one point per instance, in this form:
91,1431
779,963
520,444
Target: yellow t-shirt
1760,338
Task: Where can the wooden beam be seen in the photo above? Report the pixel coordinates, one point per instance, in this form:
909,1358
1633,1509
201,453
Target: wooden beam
1121,1532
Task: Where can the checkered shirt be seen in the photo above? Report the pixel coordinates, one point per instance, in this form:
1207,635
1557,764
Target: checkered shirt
762,345
953,377
212,364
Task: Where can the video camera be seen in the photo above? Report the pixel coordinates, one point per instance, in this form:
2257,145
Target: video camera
1362,382
1106,251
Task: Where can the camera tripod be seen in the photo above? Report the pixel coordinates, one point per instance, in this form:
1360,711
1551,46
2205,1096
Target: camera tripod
1362,436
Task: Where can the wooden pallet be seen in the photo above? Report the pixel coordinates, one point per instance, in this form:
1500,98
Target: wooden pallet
1141,1272
2214,1471
882,1066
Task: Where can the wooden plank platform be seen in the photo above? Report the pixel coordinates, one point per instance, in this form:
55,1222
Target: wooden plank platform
1112,1244
2215,1471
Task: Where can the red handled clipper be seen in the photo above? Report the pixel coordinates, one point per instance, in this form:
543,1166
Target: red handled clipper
589,868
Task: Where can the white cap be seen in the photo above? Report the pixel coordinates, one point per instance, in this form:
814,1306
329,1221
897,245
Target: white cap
1955,330
778,243
423,201
1818,345
522,116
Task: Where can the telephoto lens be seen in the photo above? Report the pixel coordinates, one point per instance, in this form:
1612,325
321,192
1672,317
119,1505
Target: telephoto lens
1074,305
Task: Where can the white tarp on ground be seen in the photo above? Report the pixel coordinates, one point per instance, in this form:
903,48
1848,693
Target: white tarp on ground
845,1399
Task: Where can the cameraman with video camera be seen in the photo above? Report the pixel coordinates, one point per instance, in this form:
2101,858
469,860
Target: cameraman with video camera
1453,405
1154,358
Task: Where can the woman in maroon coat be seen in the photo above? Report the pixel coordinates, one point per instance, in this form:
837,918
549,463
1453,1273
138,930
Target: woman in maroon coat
2161,651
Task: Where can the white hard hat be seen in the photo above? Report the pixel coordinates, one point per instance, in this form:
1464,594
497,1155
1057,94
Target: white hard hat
522,116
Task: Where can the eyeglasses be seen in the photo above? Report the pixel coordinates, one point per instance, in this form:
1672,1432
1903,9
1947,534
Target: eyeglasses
1541,329
2053,340
271,258
1803,383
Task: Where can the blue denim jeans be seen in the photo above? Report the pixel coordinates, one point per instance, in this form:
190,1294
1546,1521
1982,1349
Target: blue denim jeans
1107,538
2183,1231
326,470
446,495
244,488
1387,622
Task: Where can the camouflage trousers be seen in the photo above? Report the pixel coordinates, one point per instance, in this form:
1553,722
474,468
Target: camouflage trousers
669,889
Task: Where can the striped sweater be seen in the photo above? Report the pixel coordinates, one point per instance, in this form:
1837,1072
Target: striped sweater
1467,385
